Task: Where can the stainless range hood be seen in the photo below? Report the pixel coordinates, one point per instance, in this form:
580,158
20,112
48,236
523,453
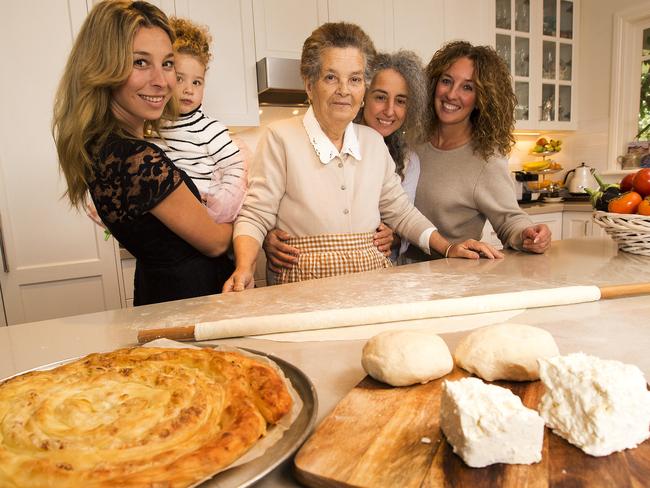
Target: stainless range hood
279,82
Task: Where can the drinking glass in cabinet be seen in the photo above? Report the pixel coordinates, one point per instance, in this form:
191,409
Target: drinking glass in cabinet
522,50
566,55
566,19
521,92
547,109
564,104
550,17
522,15
503,48
503,14
548,60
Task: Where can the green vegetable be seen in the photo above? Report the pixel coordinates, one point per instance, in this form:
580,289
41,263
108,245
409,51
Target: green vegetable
606,191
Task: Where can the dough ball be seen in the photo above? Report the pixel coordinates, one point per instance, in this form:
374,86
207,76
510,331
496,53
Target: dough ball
406,357
505,352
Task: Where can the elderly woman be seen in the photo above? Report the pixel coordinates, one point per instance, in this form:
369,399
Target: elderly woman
327,181
464,176
394,105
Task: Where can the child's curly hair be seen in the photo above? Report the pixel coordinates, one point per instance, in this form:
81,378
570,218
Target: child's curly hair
493,118
192,39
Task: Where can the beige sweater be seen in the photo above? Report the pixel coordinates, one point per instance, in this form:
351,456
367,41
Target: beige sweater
459,190
289,188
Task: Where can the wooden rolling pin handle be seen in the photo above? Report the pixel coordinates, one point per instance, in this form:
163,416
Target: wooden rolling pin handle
182,333
620,291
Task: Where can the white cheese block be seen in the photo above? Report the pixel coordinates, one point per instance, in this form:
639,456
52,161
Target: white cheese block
599,405
487,424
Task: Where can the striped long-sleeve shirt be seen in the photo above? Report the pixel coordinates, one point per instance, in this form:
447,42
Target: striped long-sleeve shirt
201,146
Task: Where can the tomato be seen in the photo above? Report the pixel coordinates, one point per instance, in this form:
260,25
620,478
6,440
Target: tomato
641,182
626,182
644,207
627,203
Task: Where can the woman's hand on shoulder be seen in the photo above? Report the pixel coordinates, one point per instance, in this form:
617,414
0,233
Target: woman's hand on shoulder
473,249
279,254
536,238
383,239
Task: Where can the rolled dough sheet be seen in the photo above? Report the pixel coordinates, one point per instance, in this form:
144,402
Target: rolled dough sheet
364,332
449,307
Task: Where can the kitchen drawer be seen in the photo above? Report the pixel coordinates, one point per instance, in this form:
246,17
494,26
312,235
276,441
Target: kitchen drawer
552,220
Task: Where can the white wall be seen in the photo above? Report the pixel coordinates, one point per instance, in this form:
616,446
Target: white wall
590,141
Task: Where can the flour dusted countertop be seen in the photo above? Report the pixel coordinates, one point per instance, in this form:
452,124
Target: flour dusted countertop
614,329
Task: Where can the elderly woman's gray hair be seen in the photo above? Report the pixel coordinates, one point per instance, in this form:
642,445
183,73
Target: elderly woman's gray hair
409,65
334,34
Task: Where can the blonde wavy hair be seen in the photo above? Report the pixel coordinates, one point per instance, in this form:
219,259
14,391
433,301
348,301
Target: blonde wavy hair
192,39
493,118
100,61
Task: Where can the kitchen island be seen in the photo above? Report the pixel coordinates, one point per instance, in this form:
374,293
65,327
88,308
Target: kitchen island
612,329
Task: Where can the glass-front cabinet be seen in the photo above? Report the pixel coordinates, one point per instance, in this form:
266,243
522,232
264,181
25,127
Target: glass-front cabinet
537,40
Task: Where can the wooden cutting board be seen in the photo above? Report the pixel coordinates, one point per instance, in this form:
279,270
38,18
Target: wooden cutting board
373,438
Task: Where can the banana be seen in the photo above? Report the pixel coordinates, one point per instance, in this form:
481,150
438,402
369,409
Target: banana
536,165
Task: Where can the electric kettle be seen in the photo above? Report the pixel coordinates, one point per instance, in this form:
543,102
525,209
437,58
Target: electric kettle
579,179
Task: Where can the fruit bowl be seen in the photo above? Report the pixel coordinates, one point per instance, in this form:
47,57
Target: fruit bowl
543,153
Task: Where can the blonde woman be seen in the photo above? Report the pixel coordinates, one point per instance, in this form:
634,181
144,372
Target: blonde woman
117,84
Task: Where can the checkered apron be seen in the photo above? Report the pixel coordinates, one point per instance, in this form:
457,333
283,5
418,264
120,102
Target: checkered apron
331,255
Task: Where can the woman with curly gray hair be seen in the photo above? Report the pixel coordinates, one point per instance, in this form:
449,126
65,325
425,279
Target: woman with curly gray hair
464,178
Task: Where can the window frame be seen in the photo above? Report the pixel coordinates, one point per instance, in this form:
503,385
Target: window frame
627,37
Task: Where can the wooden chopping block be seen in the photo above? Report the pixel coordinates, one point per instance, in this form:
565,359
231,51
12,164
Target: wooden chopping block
374,438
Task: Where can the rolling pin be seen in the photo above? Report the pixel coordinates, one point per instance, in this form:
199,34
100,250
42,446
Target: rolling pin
346,317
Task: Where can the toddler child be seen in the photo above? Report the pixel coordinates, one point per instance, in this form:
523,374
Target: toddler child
196,143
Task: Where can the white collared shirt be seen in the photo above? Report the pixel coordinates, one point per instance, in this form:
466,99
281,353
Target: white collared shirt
293,186
324,147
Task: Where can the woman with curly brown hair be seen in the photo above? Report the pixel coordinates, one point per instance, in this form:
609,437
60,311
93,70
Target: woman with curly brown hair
464,177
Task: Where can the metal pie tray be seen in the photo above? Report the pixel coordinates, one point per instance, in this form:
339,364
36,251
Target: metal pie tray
253,471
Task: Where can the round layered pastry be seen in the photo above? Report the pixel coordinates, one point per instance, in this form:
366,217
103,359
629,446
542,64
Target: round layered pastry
136,417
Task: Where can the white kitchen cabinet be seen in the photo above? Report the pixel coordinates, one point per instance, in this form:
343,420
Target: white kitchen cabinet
490,237
538,39
231,83
56,261
580,224
419,25
275,36
127,276
554,222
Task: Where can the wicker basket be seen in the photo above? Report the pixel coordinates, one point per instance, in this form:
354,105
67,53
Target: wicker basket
630,231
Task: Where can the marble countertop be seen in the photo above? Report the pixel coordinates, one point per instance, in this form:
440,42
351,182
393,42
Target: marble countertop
614,329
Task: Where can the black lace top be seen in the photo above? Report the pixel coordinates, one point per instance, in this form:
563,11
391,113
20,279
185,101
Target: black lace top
130,177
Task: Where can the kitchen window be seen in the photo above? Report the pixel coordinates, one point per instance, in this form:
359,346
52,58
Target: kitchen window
630,95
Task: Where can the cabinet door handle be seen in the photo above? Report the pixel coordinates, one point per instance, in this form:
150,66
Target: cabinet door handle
5,262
